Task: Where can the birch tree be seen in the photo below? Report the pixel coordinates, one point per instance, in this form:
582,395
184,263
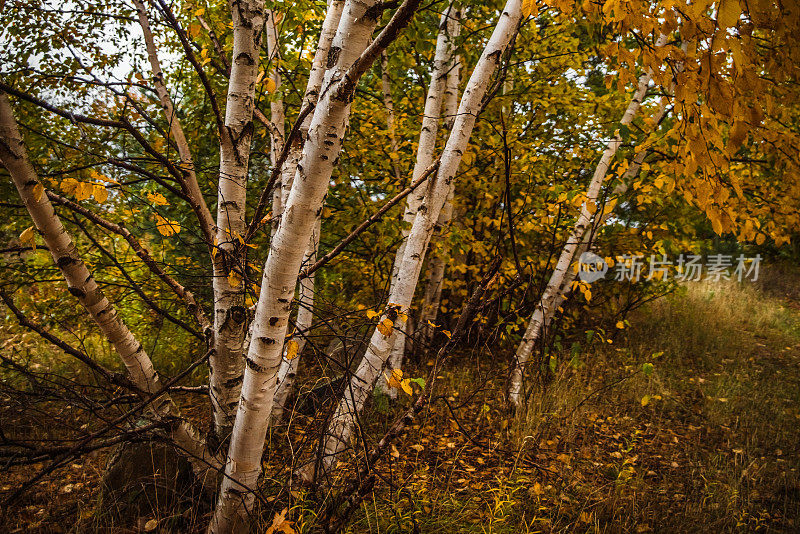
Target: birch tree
230,314
351,55
556,288
305,311
340,427
438,261
82,285
426,148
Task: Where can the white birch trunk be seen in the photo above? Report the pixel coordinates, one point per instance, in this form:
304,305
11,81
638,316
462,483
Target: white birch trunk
426,148
554,292
305,313
276,124
340,428
230,315
313,87
321,150
83,286
438,262
305,316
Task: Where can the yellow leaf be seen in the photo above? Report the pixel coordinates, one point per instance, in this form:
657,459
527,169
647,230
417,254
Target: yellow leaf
527,8
371,314
157,199
281,524
83,191
645,400
27,237
760,238
100,193
234,279
394,378
728,13
270,85
385,326
68,185
406,385
151,525
394,452
167,227
291,349
38,192
591,207
620,325
447,333
537,489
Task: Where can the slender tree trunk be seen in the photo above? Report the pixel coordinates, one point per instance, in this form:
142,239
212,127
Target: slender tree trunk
438,262
305,316
319,66
189,183
321,150
305,313
230,314
426,148
340,427
83,286
554,293
276,124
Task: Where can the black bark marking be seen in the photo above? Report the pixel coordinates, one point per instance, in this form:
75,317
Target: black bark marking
333,56
267,340
253,365
238,314
273,321
65,261
233,381
77,292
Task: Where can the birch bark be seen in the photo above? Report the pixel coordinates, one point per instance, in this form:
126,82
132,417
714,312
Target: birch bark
83,286
341,425
230,315
555,291
431,115
322,147
305,313
388,104
276,124
438,262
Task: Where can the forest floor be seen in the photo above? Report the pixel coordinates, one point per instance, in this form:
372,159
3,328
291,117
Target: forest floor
706,441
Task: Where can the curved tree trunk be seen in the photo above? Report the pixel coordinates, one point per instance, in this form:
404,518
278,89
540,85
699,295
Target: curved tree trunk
230,315
556,288
341,425
83,286
189,183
